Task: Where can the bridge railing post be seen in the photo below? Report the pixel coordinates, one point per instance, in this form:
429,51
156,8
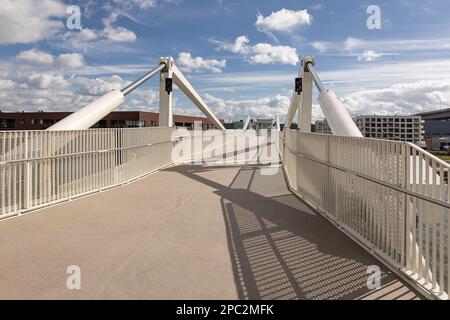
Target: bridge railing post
26,176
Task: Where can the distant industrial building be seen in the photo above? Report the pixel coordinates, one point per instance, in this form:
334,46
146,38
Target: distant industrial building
399,128
437,129
438,143
117,119
437,123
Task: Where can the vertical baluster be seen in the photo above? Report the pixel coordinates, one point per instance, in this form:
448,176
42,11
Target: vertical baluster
435,211
427,218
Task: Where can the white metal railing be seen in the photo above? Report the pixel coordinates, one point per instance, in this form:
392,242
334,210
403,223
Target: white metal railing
39,168
392,197
228,147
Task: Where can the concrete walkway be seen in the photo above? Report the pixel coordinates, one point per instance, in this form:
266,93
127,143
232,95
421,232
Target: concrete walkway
187,232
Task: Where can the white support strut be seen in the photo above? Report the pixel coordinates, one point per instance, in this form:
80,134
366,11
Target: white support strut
190,92
339,120
92,113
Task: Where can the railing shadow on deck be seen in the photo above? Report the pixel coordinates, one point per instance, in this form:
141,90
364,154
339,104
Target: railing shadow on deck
281,249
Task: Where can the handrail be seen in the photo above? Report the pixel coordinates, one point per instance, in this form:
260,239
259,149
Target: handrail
74,154
377,181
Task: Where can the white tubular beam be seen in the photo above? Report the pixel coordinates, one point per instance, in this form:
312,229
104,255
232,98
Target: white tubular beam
90,114
340,122
278,123
190,92
247,123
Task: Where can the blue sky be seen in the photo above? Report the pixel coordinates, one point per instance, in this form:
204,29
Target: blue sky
242,56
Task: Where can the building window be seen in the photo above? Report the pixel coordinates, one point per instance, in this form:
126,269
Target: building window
7,123
118,124
134,123
37,121
47,122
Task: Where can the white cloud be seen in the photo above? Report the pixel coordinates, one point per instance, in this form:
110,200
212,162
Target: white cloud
142,4
63,61
6,84
99,40
83,40
369,55
117,34
198,64
317,7
35,56
28,21
267,107
360,49
320,46
53,92
351,44
264,53
284,20
69,61
261,53
240,45
46,81
401,99
376,75
99,86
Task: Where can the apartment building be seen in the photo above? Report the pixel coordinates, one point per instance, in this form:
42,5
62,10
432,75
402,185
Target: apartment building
399,128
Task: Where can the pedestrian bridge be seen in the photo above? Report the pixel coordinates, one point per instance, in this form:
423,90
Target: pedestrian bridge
223,226
221,214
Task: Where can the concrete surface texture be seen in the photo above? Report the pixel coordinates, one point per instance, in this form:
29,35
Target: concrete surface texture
188,232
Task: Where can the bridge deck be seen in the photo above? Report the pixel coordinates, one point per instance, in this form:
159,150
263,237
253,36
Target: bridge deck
188,232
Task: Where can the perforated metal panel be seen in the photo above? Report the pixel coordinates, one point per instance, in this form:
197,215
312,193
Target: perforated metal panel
38,168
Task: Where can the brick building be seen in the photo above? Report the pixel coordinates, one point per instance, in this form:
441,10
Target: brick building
117,119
